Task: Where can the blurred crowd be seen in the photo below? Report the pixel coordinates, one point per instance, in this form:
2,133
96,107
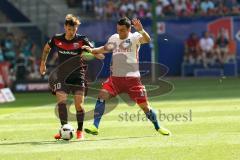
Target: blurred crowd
19,52
112,9
188,8
209,50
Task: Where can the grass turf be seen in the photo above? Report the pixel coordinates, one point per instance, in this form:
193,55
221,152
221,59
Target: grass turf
28,126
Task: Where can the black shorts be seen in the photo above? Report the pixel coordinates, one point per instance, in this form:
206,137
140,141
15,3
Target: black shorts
72,85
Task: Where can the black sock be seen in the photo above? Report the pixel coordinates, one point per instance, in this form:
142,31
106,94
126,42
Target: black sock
63,114
80,119
152,116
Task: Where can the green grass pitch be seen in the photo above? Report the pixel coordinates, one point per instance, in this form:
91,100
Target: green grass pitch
27,127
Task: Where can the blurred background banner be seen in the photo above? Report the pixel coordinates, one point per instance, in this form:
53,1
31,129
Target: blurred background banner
191,38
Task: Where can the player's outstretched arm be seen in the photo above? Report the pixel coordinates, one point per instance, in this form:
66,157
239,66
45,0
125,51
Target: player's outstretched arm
99,50
139,28
45,53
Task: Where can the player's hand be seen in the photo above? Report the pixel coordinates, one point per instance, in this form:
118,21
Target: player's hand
42,68
99,56
87,48
137,24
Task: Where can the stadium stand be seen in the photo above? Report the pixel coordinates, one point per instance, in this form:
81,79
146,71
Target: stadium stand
165,8
35,22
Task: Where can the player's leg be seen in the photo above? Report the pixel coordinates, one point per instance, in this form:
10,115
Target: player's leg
150,113
62,109
98,111
137,92
79,100
62,106
204,58
152,116
225,53
218,54
100,106
108,91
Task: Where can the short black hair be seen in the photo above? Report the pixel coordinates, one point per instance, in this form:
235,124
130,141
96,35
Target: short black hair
124,21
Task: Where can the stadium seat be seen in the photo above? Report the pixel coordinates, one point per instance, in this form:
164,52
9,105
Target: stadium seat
230,69
208,72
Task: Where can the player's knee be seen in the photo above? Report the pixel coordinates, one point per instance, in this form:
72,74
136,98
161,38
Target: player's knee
61,98
145,107
79,107
79,103
103,95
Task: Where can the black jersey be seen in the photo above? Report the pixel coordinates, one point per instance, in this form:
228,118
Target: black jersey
68,48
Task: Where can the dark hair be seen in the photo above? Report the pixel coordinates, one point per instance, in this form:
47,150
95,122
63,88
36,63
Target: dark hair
124,21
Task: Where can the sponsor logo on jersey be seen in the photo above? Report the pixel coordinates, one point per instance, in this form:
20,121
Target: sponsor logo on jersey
76,45
125,44
68,53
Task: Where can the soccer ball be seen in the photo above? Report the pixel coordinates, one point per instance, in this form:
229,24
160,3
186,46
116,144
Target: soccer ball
66,132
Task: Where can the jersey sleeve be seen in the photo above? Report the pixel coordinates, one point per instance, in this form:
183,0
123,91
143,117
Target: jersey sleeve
87,42
111,43
111,39
51,42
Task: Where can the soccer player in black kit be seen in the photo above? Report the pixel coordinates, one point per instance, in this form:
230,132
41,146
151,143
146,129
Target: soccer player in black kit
68,45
